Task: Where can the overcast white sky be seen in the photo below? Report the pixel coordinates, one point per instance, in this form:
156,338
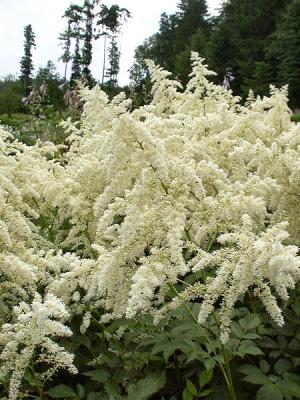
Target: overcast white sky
45,18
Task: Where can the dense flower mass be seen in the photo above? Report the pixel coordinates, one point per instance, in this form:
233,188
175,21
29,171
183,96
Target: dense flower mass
193,183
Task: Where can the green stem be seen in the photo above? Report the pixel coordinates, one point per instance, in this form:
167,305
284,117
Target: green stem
213,238
227,380
38,387
227,365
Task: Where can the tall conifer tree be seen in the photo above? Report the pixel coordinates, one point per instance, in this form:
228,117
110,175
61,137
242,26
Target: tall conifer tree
76,62
286,48
26,61
87,41
114,63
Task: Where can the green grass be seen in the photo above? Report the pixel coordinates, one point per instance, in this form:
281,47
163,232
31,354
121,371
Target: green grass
15,120
296,117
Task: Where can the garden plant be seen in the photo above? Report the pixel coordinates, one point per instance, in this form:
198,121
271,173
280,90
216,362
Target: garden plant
154,254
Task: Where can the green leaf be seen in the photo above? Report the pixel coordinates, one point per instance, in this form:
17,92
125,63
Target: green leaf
290,387
248,369
61,391
237,330
282,366
113,391
296,307
257,379
209,364
264,366
254,375
166,347
191,387
83,340
251,335
146,387
98,375
269,392
80,391
28,377
95,396
294,344
205,393
251,321
249,347
187,395
205,377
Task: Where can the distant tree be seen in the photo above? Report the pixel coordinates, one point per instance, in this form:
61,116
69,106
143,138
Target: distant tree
164,44
86,58
198,41
191,17
285,48
260,80
26,61
240,38
76,63
73,14
48,75
109,21
114,63
11,92
66,57
180,33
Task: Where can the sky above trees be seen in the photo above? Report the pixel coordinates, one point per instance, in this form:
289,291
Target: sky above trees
46,21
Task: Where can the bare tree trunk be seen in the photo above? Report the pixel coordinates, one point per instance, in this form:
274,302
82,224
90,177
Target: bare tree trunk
68,51
65,75
104,58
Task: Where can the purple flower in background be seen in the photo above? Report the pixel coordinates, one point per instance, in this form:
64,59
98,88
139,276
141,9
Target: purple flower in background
228,78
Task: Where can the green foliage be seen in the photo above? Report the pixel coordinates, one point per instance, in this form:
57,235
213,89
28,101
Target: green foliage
11,93
62,392
114,63
87,44
76,64
261,78
26,61
178,35
296,117
49,76
285,49
136,360
258,41
146,387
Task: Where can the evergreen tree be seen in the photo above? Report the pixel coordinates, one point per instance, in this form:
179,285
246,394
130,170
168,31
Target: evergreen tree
87,41
65,39
26,61
73,14
114,63
178,35
240,38
109,20
192,16
260,80
76,63
165,46
285,48
196,42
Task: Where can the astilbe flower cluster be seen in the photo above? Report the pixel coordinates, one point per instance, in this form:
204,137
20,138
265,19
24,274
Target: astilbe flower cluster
192,182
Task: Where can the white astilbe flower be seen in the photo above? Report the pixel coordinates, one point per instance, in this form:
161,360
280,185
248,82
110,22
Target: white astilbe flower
261,263
192,183
140,188
32,329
